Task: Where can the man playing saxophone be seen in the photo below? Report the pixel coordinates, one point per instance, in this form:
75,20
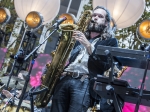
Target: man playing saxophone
73,92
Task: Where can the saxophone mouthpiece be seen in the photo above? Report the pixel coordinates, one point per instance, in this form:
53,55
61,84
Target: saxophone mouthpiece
92,21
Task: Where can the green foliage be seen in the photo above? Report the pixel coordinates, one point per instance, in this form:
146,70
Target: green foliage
88,6
127,37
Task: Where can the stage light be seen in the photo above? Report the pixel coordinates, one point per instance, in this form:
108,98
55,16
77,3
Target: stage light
144,29
4,15
124,12
34,19
47,8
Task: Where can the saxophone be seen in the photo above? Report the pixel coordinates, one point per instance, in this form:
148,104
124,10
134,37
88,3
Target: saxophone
118,71
60,56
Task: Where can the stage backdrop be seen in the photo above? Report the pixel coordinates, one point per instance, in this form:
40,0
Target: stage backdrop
132,75
38,66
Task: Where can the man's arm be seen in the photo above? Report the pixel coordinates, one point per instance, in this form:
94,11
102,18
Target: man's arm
101,62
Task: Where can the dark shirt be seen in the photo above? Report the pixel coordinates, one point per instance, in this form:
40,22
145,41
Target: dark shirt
96,64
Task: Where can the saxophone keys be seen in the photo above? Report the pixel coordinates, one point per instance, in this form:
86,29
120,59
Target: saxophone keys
53,53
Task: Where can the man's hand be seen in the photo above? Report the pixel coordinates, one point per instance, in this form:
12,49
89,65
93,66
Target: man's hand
79,36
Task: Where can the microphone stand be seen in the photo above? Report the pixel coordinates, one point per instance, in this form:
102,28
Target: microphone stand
31,93
142,85
31,99
111,62
111,80
6,103
33,53
15,60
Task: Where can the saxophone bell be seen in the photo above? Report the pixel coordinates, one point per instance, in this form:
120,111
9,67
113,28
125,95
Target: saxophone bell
56,66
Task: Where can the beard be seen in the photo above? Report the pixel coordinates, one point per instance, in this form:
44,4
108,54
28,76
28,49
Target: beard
94,27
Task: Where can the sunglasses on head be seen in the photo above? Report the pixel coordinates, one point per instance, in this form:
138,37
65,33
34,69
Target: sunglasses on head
96,14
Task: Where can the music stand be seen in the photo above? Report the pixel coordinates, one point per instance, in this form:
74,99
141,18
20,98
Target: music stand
132,58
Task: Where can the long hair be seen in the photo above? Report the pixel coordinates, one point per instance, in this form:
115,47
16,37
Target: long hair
107,32
108,17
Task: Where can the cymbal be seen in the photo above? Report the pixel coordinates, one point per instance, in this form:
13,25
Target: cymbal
12,83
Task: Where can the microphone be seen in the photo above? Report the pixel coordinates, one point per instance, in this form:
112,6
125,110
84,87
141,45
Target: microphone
59,21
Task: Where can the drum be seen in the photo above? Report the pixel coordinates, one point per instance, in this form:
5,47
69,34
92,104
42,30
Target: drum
12,108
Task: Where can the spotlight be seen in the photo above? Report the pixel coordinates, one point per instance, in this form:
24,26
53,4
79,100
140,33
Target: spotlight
4,15
143,34
34,20
144,29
